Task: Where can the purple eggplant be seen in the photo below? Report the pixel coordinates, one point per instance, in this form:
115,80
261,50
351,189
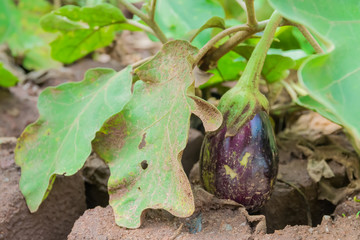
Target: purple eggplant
243,166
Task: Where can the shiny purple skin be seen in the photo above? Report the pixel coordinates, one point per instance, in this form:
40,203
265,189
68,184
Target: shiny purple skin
243,167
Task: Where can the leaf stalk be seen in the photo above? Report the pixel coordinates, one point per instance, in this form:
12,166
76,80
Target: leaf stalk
309,37
147,19
210,59
250,12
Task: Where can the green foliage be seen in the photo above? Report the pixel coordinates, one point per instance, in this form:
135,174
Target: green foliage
83,29
178,18
228,68
275,67
143,143
7,79
214,22
141,136
60,140
20,29
332,79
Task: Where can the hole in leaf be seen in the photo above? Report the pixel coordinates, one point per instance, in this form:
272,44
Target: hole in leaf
144,164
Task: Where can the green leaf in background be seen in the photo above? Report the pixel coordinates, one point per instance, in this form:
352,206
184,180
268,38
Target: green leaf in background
332,79
233,10
308,102
178,18
286,39
143,144
83,29
276,67
228,69
214,22
20,29
7,79
60,140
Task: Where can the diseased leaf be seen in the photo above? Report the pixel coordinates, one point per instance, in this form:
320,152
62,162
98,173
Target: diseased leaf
214,22
83,29
209,114
143,144
332,79
60,140
7,79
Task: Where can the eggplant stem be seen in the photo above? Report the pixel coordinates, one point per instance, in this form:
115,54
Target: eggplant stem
251,76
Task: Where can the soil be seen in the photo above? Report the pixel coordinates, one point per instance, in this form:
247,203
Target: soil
302,205
55,217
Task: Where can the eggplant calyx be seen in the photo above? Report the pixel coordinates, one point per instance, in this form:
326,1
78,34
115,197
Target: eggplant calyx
239,106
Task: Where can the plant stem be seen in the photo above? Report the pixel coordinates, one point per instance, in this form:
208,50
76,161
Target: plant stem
153,25
152,10
309,37
217,38
140,62
251,76
141,26
250,11
210,59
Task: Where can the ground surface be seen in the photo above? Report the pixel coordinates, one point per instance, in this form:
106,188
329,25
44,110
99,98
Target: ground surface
314,178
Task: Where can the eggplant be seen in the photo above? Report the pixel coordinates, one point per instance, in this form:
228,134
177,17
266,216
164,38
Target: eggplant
242,166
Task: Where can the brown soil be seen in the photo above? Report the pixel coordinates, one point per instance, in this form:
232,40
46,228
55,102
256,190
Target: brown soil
55,217
224,223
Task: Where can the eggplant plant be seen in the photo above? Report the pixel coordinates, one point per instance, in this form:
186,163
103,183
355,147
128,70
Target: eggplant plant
239,161
137,120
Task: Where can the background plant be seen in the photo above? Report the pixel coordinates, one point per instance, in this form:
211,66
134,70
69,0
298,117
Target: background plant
141,134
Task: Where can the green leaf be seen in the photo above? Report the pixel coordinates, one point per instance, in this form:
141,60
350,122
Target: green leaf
143,144
286,39
332,79
214,22
40,58
177,18
276,67
308,102
7,79
60,140
228,69
83,29
20,29
233,10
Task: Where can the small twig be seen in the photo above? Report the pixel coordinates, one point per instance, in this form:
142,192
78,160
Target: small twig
290,91
308,211
142,61
250,11
217,38
234,40
152,24
141,26
134,10
309,37
57,4
177,232
152,10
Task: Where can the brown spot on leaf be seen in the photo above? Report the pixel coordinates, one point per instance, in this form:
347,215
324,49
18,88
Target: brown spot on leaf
143,142
144,164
